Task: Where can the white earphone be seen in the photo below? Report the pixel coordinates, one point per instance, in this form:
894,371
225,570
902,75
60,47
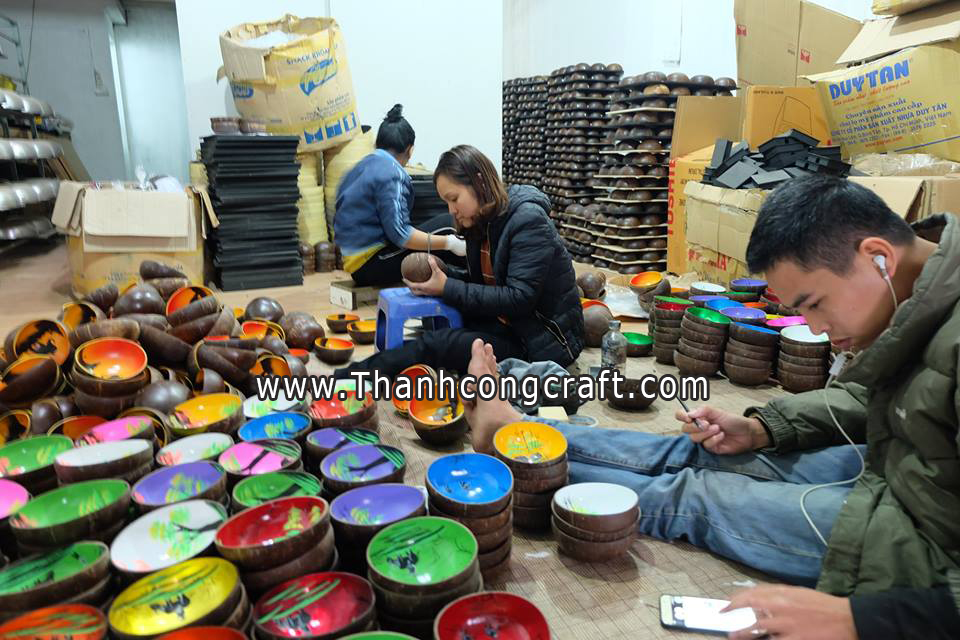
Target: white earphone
881,262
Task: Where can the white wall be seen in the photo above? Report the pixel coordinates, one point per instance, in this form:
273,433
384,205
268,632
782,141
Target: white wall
440,59
693,36
70,67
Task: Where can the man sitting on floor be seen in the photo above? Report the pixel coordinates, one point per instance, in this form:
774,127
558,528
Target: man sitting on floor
887,517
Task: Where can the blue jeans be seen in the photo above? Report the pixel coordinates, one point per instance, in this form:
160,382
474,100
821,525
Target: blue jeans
743,507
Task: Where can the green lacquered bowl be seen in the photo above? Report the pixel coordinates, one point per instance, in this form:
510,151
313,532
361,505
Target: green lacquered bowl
72,512
638,344
31,460
707,317
672,300
53,576
256,490
422,555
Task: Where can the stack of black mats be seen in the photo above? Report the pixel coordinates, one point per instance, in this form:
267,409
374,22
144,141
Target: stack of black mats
252,181
427,203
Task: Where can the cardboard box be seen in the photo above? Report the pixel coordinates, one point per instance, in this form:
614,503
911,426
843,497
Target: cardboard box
300,86
110,232
719,221
756,116
900,7
778,41
905,96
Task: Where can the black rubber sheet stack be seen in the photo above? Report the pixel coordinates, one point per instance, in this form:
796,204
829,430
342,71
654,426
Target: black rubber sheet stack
253,188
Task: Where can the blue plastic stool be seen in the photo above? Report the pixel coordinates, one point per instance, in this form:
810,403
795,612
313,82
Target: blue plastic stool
396,306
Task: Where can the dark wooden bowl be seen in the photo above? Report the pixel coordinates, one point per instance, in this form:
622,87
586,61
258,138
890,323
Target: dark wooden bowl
807,351
495,557
107,388
692,367
360,334
531,519
593,536
533,500
423,606
588,551
481,525
750,351
802,361
740,361
663,355
706,355
797,383
314,559
746,376
814,371
703,339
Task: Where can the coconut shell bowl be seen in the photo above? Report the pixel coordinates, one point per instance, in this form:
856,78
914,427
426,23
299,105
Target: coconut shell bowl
329,604
104,460
274,533
359,514
30,462
411,375
256,490
469,484
290,425
338,322
52,576
493,614
201,479
333,351
361,465
203,446
343,410
195,592
73,512
323,442
110,359
595,521
74,621
526,444
260,456
438,422
220,412
362,331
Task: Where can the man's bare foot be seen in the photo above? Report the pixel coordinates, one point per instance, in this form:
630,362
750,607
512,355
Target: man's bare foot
486,416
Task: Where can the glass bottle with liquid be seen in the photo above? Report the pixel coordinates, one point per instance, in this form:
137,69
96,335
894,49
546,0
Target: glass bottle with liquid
613,348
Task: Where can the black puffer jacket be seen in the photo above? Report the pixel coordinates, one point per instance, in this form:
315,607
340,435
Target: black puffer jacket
536,285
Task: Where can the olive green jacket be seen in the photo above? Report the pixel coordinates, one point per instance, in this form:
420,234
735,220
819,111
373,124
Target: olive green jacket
900,525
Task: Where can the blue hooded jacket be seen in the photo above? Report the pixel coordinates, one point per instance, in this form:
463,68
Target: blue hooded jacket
374,201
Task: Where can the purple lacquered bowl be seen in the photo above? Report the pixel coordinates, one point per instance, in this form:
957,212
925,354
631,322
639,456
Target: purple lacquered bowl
363,511
187,481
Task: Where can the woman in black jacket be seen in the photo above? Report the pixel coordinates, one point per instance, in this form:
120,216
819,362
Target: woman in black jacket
519,290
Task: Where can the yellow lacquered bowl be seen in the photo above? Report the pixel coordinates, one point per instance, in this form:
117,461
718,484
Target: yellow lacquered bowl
529,443
177,597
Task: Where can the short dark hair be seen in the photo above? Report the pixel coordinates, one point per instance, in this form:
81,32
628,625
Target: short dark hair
820,221
395,133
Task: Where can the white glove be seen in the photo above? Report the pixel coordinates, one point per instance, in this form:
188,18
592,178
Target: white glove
456,245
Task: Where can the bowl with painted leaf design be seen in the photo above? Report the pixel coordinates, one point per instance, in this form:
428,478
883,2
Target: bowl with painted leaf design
71,513
260,456
360,513
273,533
256,490
361,465
200,480
167,536
291,425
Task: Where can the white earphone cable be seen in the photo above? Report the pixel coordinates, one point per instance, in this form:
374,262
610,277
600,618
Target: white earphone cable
835,370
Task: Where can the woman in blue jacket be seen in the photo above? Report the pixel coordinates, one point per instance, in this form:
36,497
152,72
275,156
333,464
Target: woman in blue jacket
372,223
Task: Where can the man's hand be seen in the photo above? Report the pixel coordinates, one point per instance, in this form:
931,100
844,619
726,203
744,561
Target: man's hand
723,433
795,613
433,286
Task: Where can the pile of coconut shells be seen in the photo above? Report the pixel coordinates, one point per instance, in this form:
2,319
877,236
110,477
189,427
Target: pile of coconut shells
524,128
577,102
625,229
150,346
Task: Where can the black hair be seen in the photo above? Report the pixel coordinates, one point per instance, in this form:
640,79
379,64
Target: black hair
395,133
819,221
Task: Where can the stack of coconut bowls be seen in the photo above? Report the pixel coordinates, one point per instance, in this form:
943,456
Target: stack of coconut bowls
326,256
665,320
474,615
90,510
12,497
308,255
749,354
74,573
197,592
537,455
197,480
804,359
345,409
476,490
246,459
326,604
595,521
278,541
704,337
359,514
418,566
256,490
323,442
128,458
359,466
